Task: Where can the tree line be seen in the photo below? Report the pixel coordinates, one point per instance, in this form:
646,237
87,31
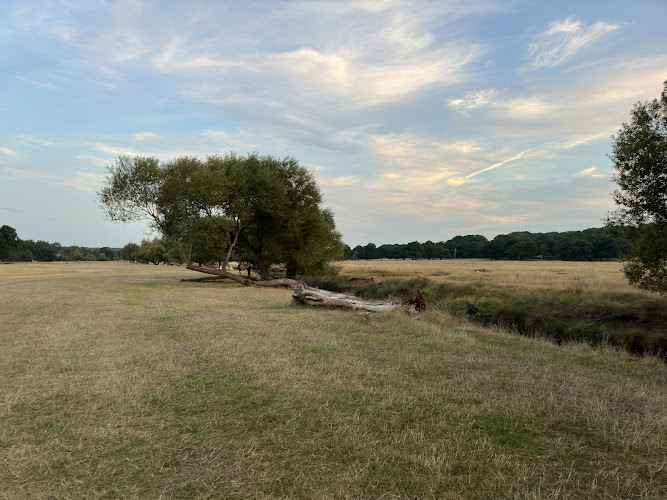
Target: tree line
589,244
13,248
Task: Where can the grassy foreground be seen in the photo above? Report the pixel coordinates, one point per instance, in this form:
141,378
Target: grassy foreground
118,380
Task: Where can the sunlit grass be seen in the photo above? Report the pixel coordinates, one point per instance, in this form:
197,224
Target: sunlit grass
120,380
525,274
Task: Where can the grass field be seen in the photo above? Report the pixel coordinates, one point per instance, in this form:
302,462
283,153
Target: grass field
119,380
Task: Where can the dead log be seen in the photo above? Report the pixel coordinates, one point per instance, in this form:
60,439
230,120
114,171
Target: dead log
323,298
220,273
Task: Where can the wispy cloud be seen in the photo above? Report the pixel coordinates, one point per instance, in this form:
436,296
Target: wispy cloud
36,83
115,151
89,182
517,107
349,180
476,99
461,147
562,40
142,136
312,77
457,181
590,172
28,139
9,152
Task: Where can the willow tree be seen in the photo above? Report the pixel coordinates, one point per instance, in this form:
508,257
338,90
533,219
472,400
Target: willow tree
290,225
262,206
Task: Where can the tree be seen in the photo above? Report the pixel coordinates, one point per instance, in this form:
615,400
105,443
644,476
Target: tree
110,253
129,251
523,249
39,250
414,250
263,207
8,243
466,247
152,251
639,155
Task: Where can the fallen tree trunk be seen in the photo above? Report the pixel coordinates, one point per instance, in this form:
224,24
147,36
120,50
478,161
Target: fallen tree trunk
220,273
216,274
322,298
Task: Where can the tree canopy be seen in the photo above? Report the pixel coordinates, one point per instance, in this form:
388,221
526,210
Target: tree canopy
267,209
639,155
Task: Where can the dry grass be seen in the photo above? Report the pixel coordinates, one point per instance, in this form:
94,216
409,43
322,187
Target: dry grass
552,275
119,380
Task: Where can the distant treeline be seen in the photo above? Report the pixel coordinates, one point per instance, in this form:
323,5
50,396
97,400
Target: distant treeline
589,244
13,248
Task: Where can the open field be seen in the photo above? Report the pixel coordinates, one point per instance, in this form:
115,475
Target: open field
536,274
118,380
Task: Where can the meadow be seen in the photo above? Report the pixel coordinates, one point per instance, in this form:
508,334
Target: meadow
120,380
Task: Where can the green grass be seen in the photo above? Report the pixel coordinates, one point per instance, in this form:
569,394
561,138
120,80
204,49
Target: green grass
121,381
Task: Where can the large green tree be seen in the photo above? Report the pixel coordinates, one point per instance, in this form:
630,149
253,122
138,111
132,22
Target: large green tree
639,155
266,208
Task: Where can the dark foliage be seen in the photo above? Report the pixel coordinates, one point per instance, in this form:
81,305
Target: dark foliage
590,244
14,249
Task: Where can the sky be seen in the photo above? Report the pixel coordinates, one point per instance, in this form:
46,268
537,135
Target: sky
421,120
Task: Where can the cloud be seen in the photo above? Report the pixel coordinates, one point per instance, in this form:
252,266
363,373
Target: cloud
505,220
9,152
562,40
476,99
94,159
457,181
28,139
142,136
311,77
590,172
35,83
89,182
327,56
329,183
518,107
461,147
116,150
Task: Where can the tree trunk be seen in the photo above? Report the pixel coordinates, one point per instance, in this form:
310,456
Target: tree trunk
323,298
220,272
263,272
